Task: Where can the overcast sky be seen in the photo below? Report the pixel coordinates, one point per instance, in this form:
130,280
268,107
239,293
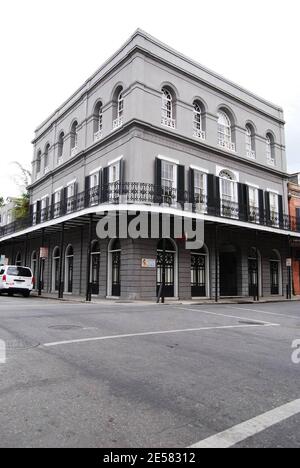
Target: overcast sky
50,47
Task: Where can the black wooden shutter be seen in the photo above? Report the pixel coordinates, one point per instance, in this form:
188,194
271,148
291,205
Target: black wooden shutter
87,191
243,207
261,206
213,195
38,211
52,205
280,210
157,182
105,185
298,219
47,214
191,186
181,184
100,186
31,213
122,176
63,198
267,206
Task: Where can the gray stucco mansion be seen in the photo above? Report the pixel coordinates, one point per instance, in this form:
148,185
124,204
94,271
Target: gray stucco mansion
152,126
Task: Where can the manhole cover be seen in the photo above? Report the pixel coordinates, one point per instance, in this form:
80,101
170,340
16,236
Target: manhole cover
246,322
21,345
65,327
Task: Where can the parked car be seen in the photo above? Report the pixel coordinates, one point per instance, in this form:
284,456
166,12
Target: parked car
16,280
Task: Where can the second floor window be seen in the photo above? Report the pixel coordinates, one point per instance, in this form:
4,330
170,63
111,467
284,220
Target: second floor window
225,131
168,176
120,105
200,182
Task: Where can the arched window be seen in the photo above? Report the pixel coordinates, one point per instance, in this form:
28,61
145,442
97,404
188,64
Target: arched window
225,131
18,259
69,264
114,270
118,108
55,269
46,158
254,272
61,140
167,108
228,194
38,162
95,267
167,262
249,141
198,131
98,121
34,266
276,273
270,149
74,138
200,273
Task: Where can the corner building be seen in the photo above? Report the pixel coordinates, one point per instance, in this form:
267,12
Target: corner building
153,126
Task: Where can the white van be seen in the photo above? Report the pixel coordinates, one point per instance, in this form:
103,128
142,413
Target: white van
16,280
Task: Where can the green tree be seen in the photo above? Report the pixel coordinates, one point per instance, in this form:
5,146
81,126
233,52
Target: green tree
21,209
22,180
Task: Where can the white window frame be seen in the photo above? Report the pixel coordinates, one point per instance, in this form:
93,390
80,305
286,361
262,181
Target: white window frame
200,190
250,153
197,122
225,131
43,206
229,198
118,122
99,133
167,109
270,151
274,213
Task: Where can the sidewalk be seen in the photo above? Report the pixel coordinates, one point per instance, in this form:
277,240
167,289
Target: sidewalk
95,300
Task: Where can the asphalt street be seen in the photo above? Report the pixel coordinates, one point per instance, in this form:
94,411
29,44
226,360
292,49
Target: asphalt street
132,375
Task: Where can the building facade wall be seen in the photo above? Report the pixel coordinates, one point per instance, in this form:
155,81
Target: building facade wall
140,283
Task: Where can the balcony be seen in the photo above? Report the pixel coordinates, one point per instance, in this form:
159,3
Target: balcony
149,194
98,135
168,122
200,134
226,144
117,123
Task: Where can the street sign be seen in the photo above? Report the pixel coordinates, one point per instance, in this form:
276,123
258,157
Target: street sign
148,263
288,262
44,252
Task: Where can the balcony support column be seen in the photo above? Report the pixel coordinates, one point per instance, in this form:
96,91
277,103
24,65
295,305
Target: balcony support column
88,262
26,250
61,262
40,264
257,267
216,265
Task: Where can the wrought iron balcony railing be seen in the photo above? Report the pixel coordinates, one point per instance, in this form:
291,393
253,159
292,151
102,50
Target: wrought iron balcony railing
149,194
